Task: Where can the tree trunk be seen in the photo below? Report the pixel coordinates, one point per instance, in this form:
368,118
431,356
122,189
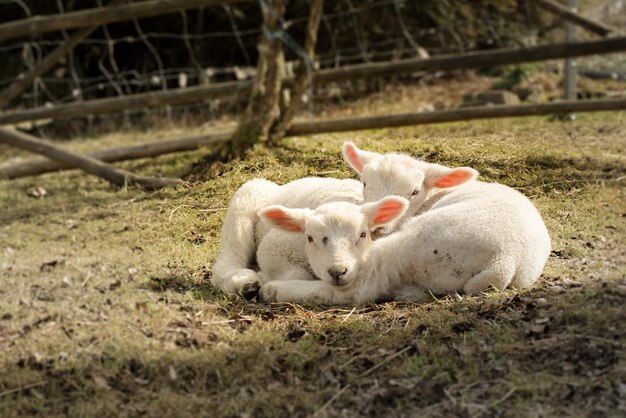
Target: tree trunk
262,109
305,72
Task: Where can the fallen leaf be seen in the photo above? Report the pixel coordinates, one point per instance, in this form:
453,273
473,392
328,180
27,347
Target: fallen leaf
570,283
172,373
49,265
38,192
101,382
537,329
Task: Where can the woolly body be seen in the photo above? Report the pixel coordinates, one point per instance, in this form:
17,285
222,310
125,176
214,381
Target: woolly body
278,254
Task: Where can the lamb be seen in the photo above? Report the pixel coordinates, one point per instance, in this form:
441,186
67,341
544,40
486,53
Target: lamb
422,183
339,240
467,236
484,209
279,255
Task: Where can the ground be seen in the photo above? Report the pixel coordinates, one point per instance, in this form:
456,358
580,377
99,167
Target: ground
106,307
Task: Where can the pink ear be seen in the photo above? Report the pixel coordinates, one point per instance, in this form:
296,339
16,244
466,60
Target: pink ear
388,211
282,220
455,177
350,153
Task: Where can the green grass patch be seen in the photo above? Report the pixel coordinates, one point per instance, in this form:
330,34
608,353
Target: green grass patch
106,307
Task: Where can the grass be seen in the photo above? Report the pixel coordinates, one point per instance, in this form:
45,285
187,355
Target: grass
106,307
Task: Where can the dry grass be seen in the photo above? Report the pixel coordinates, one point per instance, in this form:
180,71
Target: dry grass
105,307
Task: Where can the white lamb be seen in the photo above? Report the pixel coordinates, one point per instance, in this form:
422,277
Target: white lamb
422,183
466,239
484,210
278,254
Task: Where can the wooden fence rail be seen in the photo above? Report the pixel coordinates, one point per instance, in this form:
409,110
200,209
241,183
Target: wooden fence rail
135,101
573,17
101,16
40,166
43,165
88,164
479,59
454,115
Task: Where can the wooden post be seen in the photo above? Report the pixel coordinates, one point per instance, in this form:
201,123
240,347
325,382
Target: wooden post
454,115
569,14
254,125
125,103
570,67
304,76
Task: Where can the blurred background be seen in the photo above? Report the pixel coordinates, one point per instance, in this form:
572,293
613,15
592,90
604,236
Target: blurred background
208,45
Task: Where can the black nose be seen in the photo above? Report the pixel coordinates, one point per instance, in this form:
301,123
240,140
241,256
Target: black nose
337,273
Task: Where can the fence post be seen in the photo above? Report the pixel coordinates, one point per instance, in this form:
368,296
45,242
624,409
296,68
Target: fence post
570,68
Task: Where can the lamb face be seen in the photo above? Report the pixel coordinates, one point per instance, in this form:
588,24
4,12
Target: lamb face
338,233
243,237
338,237
400,175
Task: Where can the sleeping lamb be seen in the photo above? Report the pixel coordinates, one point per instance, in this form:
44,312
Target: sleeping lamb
477,209
245,240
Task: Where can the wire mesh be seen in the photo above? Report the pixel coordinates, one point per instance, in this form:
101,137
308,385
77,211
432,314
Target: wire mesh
213,44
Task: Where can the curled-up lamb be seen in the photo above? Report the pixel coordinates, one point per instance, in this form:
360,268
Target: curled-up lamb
246,241
339,249
474,237
477,209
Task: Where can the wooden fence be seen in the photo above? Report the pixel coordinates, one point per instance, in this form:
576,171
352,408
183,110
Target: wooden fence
118,11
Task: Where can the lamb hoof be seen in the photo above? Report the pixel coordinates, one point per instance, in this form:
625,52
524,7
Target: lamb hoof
250,291
267,293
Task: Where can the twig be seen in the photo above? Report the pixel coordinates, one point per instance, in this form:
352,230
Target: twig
341,366
329,311
212,210
331,400
176,209
502,399
385,361
228,321
348,316
21,388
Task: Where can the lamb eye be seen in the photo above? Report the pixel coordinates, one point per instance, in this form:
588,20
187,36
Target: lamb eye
363,234
325,240
416,191
364,185
310,238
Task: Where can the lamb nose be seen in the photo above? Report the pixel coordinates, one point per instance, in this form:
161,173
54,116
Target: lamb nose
337,273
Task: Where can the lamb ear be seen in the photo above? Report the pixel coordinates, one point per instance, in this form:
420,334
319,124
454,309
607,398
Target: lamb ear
356,158
385,210
291,220
444,177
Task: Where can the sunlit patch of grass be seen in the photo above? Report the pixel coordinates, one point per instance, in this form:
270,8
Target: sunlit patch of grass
106,307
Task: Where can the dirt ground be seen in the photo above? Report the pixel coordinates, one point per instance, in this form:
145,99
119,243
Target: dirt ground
106,307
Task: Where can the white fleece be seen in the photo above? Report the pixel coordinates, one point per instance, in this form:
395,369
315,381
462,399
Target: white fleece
246,240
